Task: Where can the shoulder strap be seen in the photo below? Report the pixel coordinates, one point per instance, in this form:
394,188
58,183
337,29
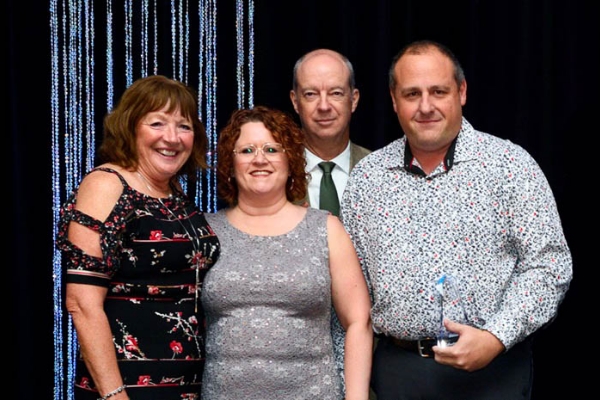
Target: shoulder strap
123,181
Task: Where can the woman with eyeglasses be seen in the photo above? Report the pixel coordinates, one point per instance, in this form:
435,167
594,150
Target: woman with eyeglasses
283,270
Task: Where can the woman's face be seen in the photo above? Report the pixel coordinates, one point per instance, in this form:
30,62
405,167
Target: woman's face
260,163
164,143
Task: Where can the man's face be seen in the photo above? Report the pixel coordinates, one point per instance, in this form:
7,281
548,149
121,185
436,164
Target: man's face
323,99
427,99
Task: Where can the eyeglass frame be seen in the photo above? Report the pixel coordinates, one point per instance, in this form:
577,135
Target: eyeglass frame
256,149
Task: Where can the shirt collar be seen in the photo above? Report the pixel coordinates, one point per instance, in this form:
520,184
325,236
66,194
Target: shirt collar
463,140
411,165
342,160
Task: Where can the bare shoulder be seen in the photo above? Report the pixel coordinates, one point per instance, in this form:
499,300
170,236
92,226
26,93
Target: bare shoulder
100,179
98,192
335,227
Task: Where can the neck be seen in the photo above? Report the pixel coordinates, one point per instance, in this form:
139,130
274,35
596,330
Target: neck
259,208
429,160
155,189
275,219
326,148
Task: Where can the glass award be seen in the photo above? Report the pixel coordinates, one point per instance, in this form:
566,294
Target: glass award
451,307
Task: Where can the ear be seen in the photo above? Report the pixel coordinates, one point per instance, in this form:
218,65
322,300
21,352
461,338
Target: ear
462,92
355,98
393,100
294,100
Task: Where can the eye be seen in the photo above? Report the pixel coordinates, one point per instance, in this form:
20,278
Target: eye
271,149
246,150
185,127
157,124
411,95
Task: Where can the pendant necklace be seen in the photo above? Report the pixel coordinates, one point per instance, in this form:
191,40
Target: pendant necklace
194,240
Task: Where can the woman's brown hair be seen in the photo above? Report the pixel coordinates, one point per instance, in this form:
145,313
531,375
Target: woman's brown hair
284,130
146,95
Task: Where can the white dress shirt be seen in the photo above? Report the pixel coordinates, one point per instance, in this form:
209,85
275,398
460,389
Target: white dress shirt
339,174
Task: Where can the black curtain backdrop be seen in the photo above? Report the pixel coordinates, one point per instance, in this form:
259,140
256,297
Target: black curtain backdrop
532,72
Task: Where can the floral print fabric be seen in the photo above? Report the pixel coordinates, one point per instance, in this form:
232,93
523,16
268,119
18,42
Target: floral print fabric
155,256
487,217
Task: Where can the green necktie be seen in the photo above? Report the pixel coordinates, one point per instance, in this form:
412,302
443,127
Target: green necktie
328,198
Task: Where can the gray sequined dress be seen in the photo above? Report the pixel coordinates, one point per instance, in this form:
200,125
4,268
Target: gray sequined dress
268,306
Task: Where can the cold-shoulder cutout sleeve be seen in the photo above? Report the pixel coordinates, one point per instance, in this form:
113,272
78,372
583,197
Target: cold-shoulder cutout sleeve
81,267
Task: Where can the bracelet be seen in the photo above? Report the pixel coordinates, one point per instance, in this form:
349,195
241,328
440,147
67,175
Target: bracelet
111,394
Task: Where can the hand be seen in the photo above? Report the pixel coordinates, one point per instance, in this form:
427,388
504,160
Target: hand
474,350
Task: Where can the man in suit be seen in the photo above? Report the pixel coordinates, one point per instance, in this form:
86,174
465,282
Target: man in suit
324,96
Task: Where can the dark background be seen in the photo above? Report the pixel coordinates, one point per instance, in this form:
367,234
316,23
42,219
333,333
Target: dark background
532,72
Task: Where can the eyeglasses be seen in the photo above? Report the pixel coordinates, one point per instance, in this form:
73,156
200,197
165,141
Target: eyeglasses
271,151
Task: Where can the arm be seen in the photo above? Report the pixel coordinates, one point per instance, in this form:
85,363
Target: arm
542,269
537,279
352,304
96,197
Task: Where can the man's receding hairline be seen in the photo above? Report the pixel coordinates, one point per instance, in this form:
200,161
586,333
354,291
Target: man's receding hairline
323,52
347,64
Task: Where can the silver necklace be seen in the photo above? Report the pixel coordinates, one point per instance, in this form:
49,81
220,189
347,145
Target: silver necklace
194,239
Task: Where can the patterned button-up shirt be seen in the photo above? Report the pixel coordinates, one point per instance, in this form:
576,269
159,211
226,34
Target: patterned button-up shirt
490,221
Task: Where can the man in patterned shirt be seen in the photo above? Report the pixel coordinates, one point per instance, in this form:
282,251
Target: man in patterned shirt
447,201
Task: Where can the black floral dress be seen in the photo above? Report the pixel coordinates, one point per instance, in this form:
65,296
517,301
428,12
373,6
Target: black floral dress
155,256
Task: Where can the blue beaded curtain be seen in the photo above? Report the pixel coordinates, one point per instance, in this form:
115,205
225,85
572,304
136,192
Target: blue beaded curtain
98,48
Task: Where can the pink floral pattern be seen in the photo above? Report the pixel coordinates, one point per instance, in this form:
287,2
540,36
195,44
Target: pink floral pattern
153,272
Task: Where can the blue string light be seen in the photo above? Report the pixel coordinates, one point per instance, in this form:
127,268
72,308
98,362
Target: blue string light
73,108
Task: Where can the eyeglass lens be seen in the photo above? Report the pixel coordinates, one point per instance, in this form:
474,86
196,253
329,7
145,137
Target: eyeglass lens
267,149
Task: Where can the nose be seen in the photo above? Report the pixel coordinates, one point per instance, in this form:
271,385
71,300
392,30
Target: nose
170,133
260,156
323,102
426,105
